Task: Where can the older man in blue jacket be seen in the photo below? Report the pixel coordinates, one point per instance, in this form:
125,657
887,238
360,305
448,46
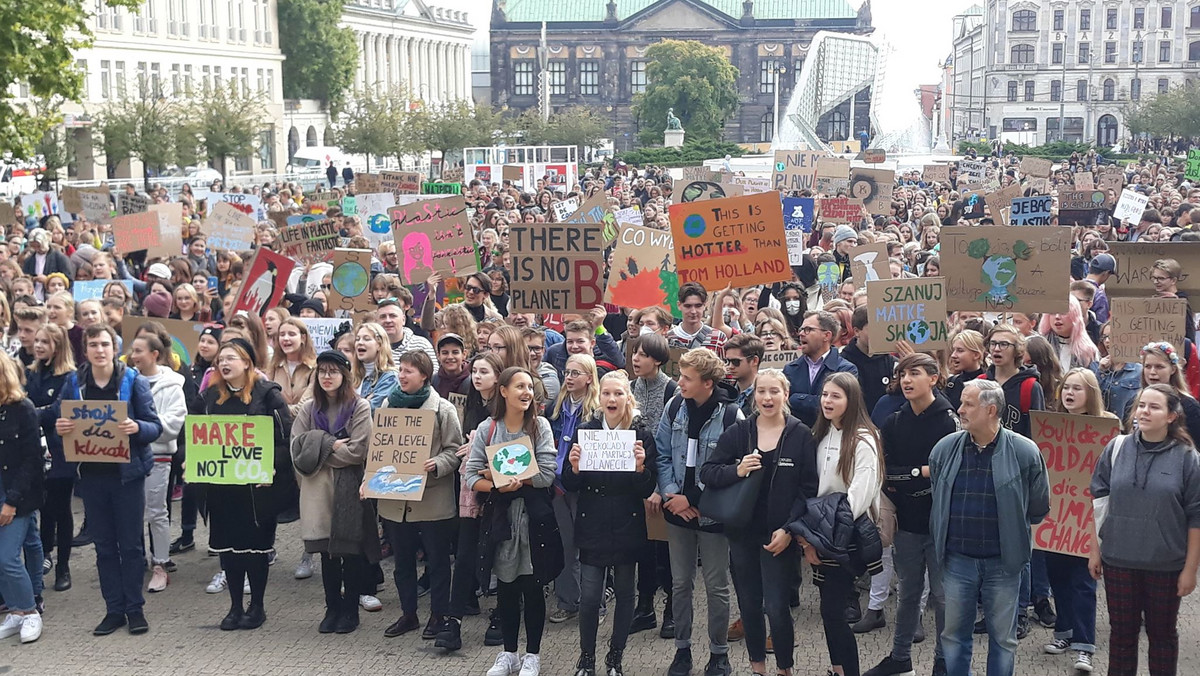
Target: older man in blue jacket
989,488
818,358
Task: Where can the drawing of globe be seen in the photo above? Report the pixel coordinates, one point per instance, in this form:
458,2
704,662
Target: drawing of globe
918,331
512,460
350,280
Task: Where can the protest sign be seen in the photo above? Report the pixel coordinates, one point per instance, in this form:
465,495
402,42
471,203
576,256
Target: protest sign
433,236
1005,269
777,359
452,174
1037,186
138,232
795,169
643,269
840,210
1135,265
737,240
401,442
170,230
173,216
564,208
595,209
874,156
556,267
400,182
751,184
514,173
1036,166
247,203
349,281
1131,206
1192,172
607,451
936,173
185,334
229,228
971,172
798,213
873,189
93,289
869,262
1137,322
72,198
1081,207
460,404
999,202
97,436
373,212
833,174
628,216
1084,180
973,206
512,460
126,204
1030,210
231,450
1111,185
365,183
1071,445
698,174
320,202
97,206
699,191
321,330
438,188
309,241
913,310
265,282
8,213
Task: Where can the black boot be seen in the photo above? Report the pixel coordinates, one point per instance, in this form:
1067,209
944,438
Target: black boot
254,617
233,619
586,666
62,577
643,615
668,622
450,637
348,619
329,624
612,662
494,636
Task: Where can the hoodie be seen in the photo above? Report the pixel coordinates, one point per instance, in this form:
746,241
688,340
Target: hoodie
954,386
166,388
874,373
1014,416
908,438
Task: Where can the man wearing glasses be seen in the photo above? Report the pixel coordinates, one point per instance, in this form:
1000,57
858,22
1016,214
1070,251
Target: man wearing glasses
743,354
535,341
818,358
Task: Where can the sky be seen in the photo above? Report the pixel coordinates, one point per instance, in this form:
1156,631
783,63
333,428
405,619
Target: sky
920,34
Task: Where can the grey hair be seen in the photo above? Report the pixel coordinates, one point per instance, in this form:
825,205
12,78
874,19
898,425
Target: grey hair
990,393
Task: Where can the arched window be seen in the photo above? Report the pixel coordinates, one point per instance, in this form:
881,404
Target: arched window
1022,54
839,126
1110,89
310,137
766,127
293,143
1024,20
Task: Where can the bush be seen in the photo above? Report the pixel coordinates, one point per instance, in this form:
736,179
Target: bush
690,155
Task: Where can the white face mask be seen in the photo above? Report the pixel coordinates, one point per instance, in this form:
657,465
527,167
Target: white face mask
792,307
645,331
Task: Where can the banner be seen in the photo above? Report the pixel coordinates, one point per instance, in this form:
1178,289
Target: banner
1036,166
1030,210
1004,269
350,280
556,267
907,309
1139,321
873,189
737,240
1071,445
795,169
798,213
840,210
439,188
401,442
1135,265
433,236
265,282
607,451
96,437
229,228
1131,206
308,241
869,263
643,270
231,450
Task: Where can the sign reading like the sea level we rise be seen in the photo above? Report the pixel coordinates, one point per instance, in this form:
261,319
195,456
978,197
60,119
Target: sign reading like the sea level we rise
736,240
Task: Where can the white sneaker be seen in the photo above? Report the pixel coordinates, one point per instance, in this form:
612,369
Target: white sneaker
506,665
1083,661
370,603
12,626
304,568
31,628
530,665
159,580
218,583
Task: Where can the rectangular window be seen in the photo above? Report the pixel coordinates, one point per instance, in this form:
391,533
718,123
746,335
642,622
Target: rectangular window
139,19
266,149
556,72
637,77
156,79
1139,18
1029,90
242,164
1110,19
81,66
217,79
589,77
151,17
262,86
1164,85
1110,52
1085,53
105,79
206,77
1012,91
142,82
1135,89
1081,90
1164,51
523,78
1138,52
1085,19
1164,19
101,14
1056,53
766,76
114,17
1056,90
176,80
119,75
1058,19
187,78
270,84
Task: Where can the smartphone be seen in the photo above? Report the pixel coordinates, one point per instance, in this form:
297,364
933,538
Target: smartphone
212,283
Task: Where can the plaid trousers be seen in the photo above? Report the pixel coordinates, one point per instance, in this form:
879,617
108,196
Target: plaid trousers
1134,594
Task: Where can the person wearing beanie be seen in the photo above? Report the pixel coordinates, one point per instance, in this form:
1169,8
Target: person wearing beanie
157,304
312,308
844,239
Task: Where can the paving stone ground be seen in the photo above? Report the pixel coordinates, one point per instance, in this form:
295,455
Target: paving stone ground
184,638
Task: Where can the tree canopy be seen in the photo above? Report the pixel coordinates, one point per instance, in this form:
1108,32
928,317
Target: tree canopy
694,79
321,56
376,122
1171,114
575,126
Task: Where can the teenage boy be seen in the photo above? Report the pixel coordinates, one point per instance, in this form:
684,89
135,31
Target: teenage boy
692,332
588,336
743,354
874,373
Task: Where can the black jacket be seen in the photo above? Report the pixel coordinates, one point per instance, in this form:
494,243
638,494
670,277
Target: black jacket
610,523
907,440
874,373
22,464
1015,416
44,389
954,386
792,481
56,261
830,526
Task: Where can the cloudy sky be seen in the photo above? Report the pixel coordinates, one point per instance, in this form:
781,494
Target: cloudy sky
920,34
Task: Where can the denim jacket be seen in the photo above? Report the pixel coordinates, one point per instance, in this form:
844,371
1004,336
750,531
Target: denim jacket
1120,388
1022,492
375,389
671,442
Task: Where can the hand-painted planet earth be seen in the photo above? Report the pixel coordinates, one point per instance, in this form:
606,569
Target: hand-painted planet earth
918,331
512,460
350,279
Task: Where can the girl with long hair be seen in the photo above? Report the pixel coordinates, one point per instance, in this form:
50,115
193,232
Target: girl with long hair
60,310
1162,365
271,320
293,362
1068,336
848,461
508,343
371,365
52,362
22,479
966,362
1041,355
188,305
1119,381
250,327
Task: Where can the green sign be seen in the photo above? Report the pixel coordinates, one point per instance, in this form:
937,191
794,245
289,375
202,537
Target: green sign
1193,166
434,188
230,449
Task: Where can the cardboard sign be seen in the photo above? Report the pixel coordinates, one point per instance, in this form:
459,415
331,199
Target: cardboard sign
130,204
1030,210
840,210
1036,166
96,206
698,174
1005,269
643,270
869,263
460,404
738,240
365,183
907,309
874,156
1071,445
1192,172
1084,180
1135,264
628,216
1137,322
699,191
777,359
1113,183
751,184
185,335
595,209
350,280
141,232
229,228
556,267
999,202
231,450
265,282
247,203
452,174
434,235
514,173
1131,206
833,174
564,208
1082,207
607,451
798,215
373,212
512,460
321,330
8,213
320,202
873,189
973,205
401,442
312,240
795,169
72,197
936,173
971,172
400,182
96,437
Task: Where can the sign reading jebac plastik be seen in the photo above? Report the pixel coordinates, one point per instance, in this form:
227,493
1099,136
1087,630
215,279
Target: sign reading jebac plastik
1071,446
231,449
557,267
736,240
907,309
97,436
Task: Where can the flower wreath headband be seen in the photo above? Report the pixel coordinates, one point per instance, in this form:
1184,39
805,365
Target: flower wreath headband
1165,348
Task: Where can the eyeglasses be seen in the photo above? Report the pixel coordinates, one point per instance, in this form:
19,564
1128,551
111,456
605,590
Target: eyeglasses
771,334
534,349
1159,278
223,359
327,373
472,289
809,329
1001,344
735,362
326,287
573,373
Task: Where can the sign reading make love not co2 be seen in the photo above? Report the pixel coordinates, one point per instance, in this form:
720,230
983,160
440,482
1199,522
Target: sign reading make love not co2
230,449
736,240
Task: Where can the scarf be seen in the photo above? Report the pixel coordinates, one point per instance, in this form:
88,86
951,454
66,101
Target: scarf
321,418
401,399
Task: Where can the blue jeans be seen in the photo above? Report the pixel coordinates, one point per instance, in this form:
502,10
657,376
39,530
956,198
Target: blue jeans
965,580
114,513
34,556
16,585
1075,596
1034,582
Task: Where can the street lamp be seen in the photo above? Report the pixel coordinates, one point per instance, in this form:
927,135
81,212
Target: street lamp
778,71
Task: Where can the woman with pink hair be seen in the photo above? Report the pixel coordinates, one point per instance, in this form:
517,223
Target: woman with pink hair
1068,335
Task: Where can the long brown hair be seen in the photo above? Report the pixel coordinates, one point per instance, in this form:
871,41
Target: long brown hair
1176,430
856,426
62,361
344,396
500,406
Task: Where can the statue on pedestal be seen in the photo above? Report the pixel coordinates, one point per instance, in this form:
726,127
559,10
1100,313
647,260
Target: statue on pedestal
672,121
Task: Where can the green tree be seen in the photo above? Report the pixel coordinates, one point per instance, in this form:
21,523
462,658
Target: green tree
113,132
320,57
1170,114
145,126
375,122
575,126
228,122
696,80
56,147
454,125
38,41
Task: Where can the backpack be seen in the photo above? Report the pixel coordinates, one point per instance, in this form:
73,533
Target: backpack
669,391
728,417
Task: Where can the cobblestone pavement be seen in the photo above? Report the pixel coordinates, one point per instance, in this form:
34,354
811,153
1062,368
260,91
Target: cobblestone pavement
184,638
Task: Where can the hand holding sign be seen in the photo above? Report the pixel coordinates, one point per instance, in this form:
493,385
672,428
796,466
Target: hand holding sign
607,451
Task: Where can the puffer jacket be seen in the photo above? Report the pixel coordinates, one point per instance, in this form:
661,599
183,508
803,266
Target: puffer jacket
828,525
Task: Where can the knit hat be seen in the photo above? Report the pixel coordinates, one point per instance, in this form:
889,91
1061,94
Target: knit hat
315,305
247,347
843,233
334,357
213,330
58,275
159,270
157,304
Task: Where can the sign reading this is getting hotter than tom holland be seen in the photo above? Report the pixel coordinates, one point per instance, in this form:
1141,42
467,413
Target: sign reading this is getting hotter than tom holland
736,240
